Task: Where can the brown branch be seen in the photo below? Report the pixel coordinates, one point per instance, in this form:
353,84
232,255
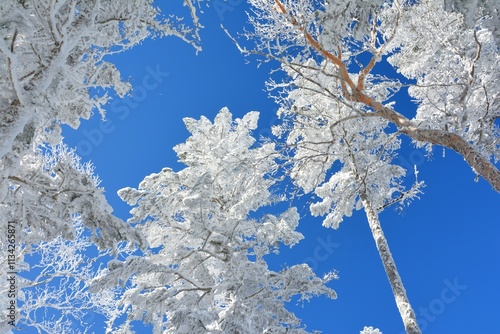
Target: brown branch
480,164
365,71
355,95
316,45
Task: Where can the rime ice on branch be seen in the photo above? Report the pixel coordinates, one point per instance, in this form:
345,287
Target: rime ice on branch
208,232
342,126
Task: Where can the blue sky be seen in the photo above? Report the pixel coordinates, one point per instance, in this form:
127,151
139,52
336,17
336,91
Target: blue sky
445,244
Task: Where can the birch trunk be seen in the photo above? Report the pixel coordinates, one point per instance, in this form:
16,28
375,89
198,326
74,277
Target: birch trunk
402,302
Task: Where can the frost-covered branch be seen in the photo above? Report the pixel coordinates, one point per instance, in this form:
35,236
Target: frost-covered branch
206,270
57,285
408,36
49,188
52,48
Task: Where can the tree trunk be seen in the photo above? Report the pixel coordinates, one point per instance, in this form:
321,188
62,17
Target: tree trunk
402,302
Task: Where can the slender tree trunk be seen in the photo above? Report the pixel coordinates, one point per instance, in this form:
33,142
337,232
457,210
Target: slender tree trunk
402,302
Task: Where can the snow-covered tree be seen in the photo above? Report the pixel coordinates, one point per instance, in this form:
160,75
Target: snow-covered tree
53,71
447,65
48,252
340,119
370,330
52,286
52,56
49,188
206,226
358,155
209,231
487,10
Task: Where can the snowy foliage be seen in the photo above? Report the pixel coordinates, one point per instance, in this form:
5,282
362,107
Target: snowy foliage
455,73
55,280
208,232
487,10
324,143
341,124
370,330
52,56
205,230
448,65
53,72
57,214
49,188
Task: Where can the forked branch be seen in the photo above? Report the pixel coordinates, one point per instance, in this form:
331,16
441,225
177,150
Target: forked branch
480,164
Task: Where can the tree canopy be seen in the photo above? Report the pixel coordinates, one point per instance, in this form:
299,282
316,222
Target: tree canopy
193,256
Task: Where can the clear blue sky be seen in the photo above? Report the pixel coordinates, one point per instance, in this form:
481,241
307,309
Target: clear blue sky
446,245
